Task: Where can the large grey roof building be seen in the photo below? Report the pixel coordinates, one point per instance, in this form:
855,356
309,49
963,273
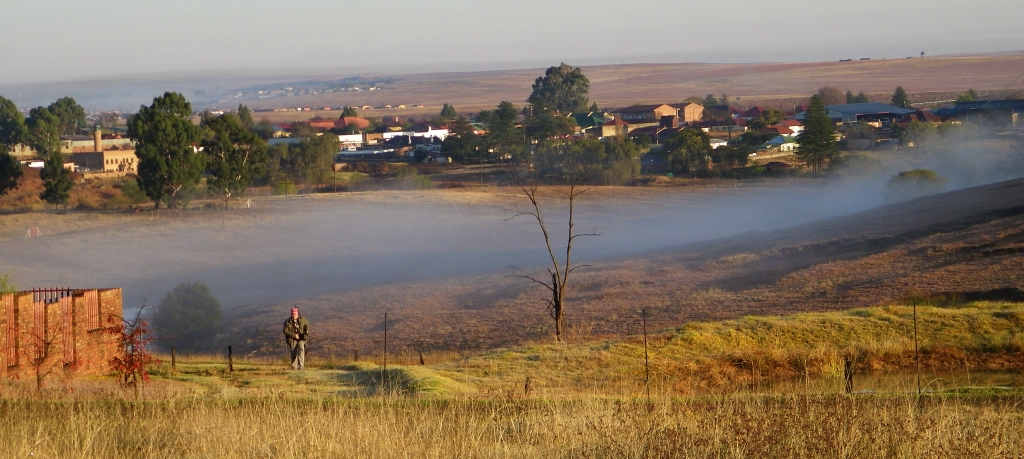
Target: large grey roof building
871,111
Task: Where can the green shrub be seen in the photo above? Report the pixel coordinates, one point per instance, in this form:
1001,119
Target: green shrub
913,184
285,187
410,178
187,317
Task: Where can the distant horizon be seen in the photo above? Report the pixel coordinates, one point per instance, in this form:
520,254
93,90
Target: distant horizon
71,41
326,73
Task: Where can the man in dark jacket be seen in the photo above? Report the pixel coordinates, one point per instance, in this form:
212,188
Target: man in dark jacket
296,331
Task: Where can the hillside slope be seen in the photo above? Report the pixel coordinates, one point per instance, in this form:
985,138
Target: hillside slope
970,240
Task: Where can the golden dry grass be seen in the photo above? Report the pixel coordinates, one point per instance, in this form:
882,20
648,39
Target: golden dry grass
788,426
585,400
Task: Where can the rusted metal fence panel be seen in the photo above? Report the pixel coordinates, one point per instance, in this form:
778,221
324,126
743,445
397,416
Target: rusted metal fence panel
67,329
7,302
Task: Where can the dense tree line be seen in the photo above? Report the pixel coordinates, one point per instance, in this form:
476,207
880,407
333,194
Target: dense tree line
41,131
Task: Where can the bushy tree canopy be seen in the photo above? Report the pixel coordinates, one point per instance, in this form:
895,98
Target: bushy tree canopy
70,114
913,184
234,155
187,317
562,89
12,125
165,142
831,95
12,132
687,150
462,142
860,98
43,131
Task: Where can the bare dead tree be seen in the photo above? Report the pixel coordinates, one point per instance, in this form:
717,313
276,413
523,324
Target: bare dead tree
40,355
559,272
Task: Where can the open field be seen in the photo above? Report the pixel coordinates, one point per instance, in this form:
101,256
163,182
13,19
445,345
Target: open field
586,399
957,242
776,85
437,260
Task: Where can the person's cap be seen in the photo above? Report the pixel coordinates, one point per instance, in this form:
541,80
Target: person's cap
295,310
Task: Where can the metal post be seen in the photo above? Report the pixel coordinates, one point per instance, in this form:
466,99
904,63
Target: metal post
647,365
917,358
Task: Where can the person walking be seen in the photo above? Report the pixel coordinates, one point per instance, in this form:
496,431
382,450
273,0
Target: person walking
296,331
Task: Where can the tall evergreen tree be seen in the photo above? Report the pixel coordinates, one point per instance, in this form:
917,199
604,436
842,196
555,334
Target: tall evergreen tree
245,117
349,111
165,142
900,98
817,140
56,180
448,113
462,142
501,125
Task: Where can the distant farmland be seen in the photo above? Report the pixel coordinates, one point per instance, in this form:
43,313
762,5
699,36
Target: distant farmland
772,84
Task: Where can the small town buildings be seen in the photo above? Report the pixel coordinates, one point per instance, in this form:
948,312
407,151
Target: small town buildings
641,114
866,112
782,143
614,128
589,122
793,125
751,113
23,152
1004,112
115,158
777,129
689,112
652,133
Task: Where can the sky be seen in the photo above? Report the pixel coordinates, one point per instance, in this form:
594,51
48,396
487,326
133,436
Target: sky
70,40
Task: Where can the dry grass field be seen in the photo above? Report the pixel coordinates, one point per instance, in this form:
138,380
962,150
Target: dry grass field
722,389
778,85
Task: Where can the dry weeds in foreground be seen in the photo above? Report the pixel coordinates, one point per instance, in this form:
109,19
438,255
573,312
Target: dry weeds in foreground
786,426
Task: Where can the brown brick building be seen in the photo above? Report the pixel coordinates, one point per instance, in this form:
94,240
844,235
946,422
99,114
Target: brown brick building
58,332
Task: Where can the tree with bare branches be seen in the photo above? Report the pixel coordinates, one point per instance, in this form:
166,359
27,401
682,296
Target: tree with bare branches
528,182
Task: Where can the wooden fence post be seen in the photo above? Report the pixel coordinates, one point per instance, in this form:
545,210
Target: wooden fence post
173,363
848,374
231,360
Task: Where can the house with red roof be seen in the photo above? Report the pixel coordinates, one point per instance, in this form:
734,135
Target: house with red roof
751,113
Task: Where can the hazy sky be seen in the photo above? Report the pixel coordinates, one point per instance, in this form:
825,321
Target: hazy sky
58,40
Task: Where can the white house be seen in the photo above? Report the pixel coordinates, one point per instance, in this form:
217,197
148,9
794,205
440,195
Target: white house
351,140
715,143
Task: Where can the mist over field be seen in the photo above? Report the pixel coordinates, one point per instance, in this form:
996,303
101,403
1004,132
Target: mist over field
302,247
